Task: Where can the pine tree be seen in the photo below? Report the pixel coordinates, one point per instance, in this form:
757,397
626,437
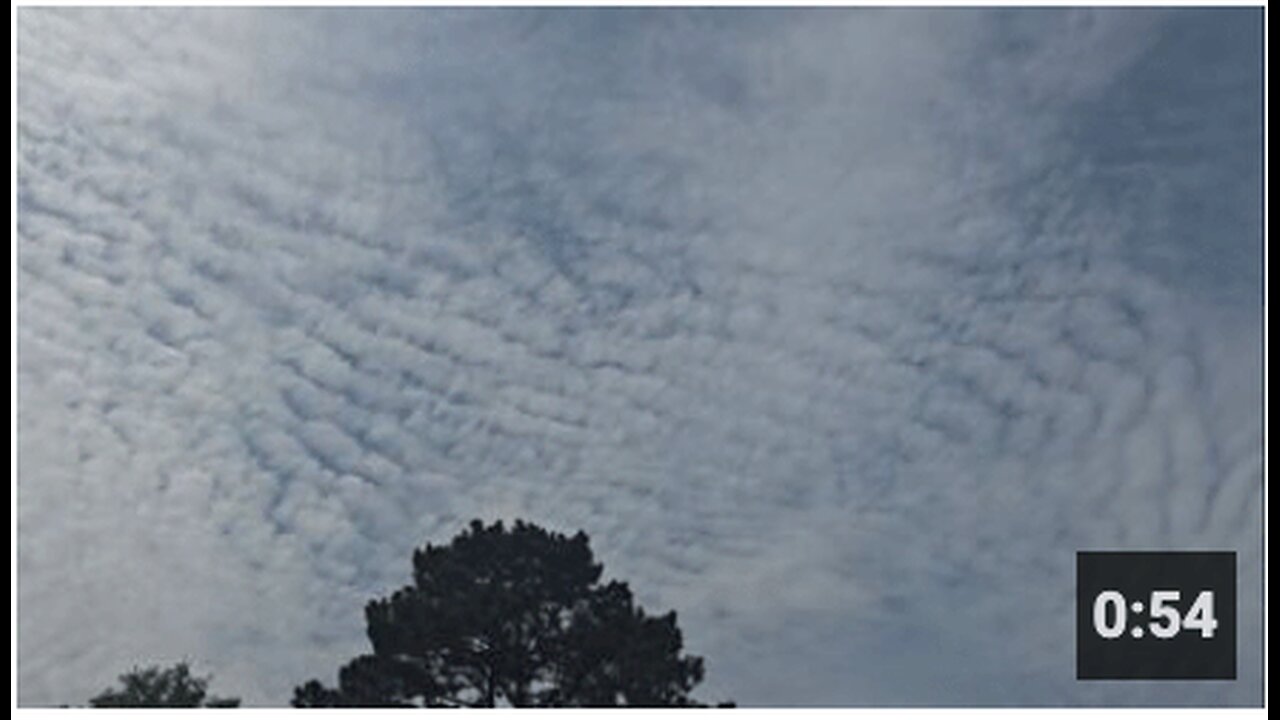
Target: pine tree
517,617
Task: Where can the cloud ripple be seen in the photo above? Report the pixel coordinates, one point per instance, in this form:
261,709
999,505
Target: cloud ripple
838,330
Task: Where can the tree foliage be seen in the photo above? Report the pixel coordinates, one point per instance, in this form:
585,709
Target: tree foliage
173,687
512,617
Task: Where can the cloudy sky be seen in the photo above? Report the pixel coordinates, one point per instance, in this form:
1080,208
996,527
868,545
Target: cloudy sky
839,331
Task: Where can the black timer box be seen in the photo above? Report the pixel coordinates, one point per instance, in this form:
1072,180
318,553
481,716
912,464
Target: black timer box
1155,616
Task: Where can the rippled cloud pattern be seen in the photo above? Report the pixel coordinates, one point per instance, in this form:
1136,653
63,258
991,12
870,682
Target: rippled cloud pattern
839,330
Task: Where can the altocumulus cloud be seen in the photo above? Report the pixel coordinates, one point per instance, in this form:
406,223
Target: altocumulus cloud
838,330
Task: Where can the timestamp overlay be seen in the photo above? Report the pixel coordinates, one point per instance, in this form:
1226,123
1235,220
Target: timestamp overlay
1155,616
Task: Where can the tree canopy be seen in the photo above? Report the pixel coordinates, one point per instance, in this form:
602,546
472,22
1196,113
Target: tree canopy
173,687
512,616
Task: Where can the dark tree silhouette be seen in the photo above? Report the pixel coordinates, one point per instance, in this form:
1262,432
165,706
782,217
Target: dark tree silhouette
512,616
153,686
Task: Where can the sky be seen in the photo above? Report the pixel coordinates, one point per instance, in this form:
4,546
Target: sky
839,331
